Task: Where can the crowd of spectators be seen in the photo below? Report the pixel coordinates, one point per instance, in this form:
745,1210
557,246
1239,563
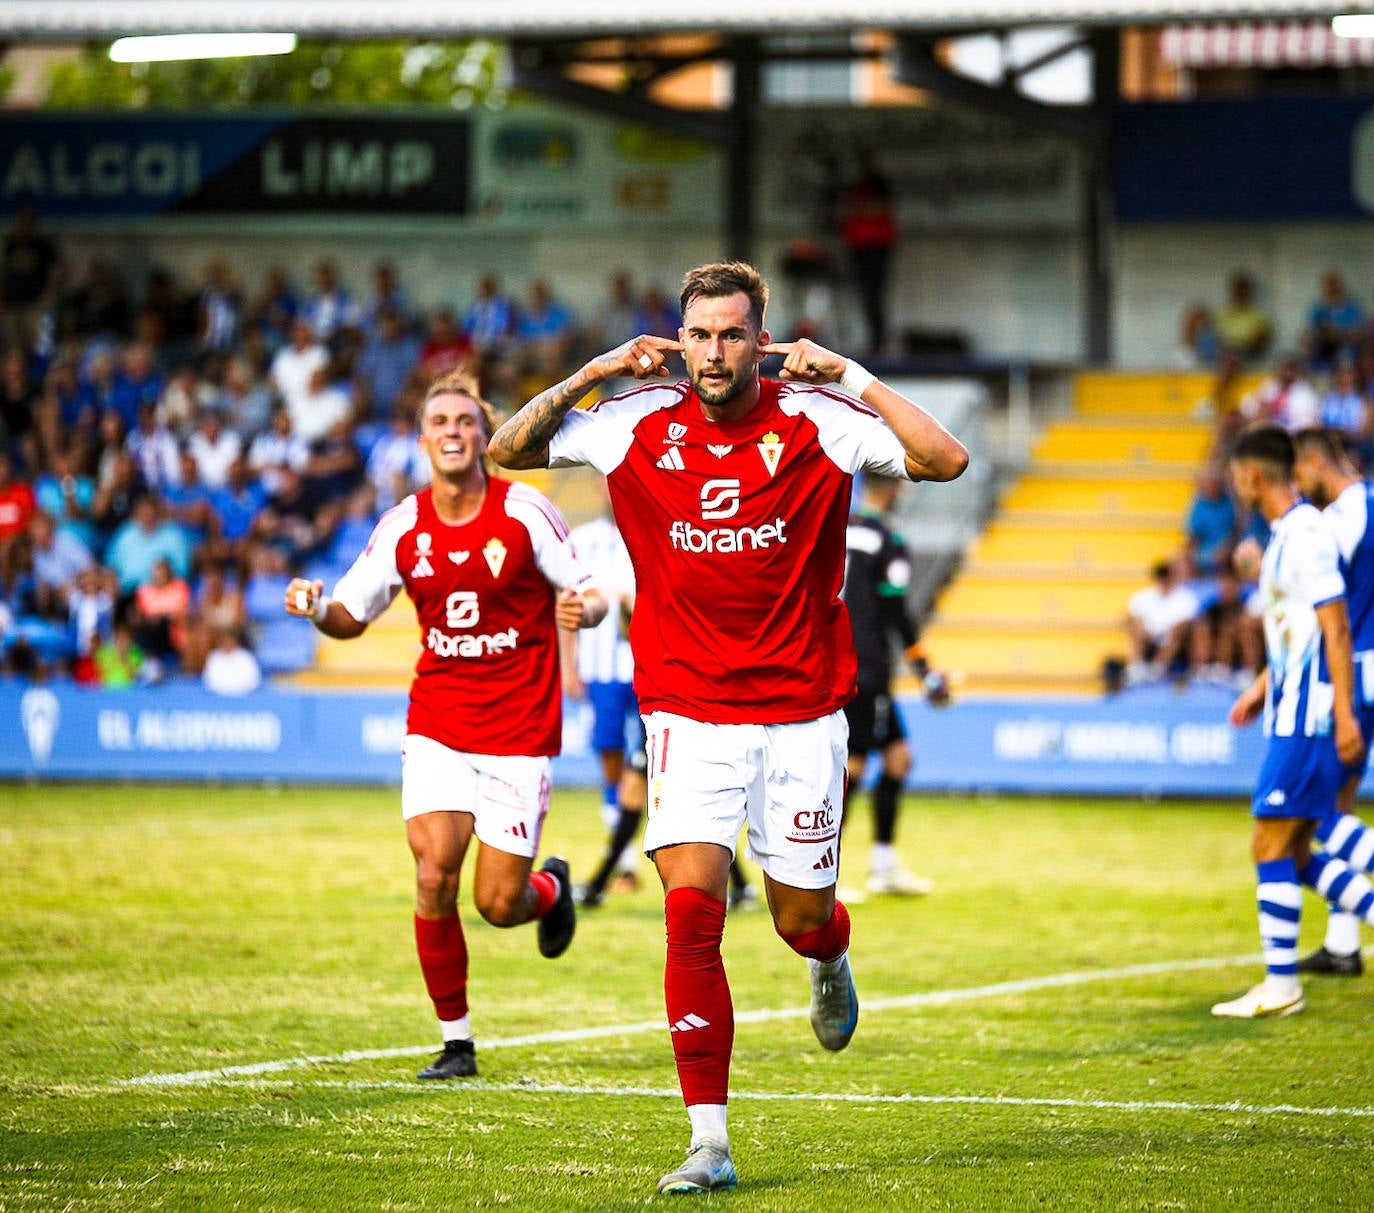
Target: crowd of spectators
171,452
1194,618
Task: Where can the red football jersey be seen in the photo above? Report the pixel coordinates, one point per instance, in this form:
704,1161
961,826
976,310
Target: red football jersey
737,535
487,679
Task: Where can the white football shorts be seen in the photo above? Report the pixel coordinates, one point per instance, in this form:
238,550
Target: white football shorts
507,794
784,782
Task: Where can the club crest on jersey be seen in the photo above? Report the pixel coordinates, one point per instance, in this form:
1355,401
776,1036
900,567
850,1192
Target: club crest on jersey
771,450
719,449
423,549
459,557
676,431
495,554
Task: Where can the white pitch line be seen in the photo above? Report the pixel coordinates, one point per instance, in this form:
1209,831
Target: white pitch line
928,999
850,1097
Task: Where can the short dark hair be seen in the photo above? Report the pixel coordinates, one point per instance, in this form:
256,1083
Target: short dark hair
1270,445
723,278
1329,444
459,382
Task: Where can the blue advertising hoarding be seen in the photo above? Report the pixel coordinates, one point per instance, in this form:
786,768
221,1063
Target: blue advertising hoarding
1150,742
1261,158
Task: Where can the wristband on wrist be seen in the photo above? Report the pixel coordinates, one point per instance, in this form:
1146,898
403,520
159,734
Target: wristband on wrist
856,378
321,608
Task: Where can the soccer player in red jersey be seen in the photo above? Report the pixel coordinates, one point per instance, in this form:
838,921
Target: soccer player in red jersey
732,493
492,575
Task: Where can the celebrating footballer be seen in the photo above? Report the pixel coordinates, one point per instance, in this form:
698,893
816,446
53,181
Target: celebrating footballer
732,492
492,574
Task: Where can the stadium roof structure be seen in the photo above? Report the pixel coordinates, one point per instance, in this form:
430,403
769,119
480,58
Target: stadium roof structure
86,20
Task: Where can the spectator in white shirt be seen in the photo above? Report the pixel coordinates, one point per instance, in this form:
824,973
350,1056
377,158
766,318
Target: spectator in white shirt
230,668
396,467
1285,398
294,365
321,408
214,447
1158,622
277,447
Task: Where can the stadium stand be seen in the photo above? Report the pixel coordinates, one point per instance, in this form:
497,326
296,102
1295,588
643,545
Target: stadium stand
1040,597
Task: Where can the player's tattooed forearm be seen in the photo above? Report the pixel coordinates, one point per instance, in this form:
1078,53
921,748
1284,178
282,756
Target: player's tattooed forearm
537,423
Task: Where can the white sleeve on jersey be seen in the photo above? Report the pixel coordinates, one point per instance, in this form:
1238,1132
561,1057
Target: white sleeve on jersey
602,435
1348,517
548,531
373,581
1312,563
854,437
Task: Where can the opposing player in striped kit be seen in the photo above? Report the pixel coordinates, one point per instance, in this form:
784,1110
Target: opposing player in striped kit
1306,694
1326,477
490,569
732,492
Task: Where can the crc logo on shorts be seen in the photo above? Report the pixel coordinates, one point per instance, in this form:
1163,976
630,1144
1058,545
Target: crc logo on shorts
719,499
815,825
461,609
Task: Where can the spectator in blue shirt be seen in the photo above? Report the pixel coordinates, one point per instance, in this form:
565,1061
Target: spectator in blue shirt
546,330
1346,409
328,307
386,295
142,541
238,506
1334,323
490,322
1211,525
186,500
67,494
274,311
136,381
389,358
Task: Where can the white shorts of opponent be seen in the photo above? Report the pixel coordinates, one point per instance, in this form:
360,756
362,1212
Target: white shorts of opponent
784,782
507,794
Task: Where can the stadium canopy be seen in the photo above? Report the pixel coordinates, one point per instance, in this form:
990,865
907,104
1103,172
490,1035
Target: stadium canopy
91,20
549,38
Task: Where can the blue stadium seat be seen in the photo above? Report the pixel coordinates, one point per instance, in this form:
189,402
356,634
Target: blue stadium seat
51,641
265,595
367,435
285,646
350,539
326,569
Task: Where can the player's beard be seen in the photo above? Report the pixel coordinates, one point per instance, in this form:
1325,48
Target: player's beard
723,394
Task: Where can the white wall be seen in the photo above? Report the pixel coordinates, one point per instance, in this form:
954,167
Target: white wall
1162,268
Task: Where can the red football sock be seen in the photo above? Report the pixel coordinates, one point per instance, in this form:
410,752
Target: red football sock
701,1016
823,943
546,885
444,962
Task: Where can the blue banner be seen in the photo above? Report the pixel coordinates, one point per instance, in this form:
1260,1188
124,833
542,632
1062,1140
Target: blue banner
1256,159
181,732
1151,741
71,165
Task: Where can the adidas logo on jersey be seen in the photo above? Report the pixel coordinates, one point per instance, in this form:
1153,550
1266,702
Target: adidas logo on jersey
690,1023
422,568
672,460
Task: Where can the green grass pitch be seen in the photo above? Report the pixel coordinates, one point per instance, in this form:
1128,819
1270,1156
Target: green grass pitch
1034,1035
